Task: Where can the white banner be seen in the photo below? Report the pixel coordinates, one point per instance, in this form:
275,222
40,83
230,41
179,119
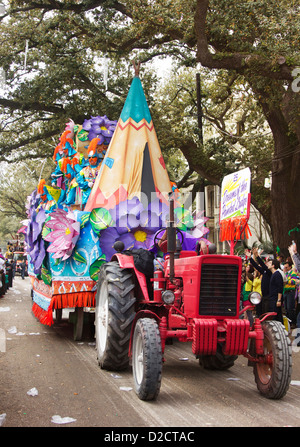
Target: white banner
234,194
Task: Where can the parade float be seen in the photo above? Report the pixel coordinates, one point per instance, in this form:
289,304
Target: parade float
110,199
109,184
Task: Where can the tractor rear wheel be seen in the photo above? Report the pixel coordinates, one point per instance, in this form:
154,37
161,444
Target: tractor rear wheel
219,361
114,314
147,359
273,376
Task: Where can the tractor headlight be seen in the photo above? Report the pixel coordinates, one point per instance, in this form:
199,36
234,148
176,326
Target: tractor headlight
168,297
255,298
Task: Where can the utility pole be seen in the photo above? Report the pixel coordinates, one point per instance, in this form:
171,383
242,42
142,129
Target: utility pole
200,204
199,106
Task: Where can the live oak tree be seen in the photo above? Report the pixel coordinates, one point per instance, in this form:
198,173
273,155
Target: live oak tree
17,181
251,44
260,40
234,128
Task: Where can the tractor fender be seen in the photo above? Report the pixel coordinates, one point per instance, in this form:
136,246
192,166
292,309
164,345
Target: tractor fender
141,314
127,262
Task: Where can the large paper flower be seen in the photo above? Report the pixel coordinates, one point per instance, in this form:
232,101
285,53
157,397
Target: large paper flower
100,127
133,225
64,235
136,238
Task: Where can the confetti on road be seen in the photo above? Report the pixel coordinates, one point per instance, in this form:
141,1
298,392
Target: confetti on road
56,419
116,376
33,392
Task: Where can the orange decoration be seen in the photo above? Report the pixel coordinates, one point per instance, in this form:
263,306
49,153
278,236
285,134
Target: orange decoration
234,229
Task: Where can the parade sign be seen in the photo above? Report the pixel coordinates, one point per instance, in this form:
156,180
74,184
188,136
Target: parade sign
234,194
235,205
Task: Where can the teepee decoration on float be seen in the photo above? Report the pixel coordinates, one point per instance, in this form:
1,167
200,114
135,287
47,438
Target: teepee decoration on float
133,165
235,207
129,199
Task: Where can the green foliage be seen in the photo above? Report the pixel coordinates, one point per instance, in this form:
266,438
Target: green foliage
234,128
16,183
267,28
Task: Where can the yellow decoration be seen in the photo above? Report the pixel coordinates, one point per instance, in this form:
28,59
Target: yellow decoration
140,236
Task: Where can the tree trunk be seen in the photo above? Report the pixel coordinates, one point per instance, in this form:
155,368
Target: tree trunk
285,201
281,108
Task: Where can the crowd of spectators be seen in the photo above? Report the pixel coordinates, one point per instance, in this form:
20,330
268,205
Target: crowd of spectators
277,279
10,266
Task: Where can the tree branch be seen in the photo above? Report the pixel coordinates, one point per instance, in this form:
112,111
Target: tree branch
25,142
18,105
235,61
68,6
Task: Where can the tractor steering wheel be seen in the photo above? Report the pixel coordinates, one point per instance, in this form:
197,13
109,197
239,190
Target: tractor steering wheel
161,242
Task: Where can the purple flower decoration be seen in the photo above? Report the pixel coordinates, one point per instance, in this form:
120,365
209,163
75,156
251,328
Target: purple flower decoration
34,242
189,242
194,228
87,125
134,225
136,238
32,202
99,127
94,134
126,213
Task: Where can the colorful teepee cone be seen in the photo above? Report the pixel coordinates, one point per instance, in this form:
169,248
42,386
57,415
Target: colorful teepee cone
133,163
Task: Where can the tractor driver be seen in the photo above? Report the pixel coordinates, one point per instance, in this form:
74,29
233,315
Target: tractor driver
204,247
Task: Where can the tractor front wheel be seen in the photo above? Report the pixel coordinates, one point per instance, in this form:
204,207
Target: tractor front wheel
273,375
147,359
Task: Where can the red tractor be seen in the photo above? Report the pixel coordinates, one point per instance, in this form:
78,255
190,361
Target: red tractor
191,298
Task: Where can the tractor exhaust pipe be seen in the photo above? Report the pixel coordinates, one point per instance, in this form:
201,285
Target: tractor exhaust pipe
171,236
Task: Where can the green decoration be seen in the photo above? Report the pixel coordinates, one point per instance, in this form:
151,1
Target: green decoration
100,219
46,275
79,258
46,230
185,219
95,267
83,135
84,219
